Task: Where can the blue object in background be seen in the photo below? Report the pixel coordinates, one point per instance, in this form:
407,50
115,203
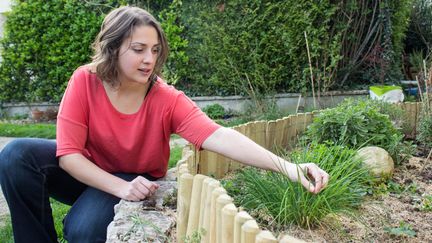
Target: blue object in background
412,91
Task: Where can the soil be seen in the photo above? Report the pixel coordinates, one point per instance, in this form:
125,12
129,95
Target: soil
381,215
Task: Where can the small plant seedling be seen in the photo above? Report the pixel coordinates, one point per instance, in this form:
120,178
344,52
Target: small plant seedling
195,237
404,229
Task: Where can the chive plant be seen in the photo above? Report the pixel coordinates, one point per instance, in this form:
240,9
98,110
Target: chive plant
288,202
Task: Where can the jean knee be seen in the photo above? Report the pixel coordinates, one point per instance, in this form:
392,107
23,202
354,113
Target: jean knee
11,155
82,231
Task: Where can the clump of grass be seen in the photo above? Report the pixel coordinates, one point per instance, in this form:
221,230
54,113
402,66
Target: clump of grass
28,130
59,212
286,202
175,156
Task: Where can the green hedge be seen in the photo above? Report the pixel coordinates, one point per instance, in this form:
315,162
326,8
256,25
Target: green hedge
44,42
247,47
252,44
243,45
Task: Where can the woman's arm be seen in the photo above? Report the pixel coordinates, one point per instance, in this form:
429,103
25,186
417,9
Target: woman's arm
236,146
88,173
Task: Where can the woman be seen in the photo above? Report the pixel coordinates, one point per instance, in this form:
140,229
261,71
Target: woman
113,131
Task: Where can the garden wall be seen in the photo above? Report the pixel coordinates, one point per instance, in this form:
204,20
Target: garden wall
286,102
203,204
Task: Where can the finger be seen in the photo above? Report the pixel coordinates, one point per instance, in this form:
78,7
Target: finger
139,189
139,195
150,186
325,177
314,173
132,197
305,182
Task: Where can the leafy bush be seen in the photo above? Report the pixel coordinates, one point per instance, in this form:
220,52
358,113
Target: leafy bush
419,34
359,123
239,46
354,123
235,47
177,60
215,111
44,42
286,202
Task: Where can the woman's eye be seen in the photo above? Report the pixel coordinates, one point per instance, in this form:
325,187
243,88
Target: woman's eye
155,50
138,50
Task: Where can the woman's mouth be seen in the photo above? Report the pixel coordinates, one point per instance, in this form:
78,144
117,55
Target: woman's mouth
145,71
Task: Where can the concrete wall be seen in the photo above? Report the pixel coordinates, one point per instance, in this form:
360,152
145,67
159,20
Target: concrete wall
285,102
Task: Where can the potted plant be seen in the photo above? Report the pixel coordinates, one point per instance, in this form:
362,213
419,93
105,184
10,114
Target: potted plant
37,114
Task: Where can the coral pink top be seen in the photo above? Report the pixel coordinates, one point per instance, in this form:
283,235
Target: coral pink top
131,143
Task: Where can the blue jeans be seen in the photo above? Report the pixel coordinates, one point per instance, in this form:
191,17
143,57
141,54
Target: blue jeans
30,175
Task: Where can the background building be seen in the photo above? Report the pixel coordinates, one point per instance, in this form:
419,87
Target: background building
5,6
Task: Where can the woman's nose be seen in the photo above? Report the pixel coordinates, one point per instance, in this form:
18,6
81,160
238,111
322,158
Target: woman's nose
148,56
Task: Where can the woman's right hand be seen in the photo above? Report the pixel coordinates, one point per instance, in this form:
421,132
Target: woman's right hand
137,189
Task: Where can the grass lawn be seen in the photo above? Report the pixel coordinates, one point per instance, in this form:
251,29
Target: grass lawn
39,130
59,212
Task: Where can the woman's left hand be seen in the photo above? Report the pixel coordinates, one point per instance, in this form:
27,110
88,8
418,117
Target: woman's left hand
313,178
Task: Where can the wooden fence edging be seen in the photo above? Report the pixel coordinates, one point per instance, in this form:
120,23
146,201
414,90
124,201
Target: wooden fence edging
204,206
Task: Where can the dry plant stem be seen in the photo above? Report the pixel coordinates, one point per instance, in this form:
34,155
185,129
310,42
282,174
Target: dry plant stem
356,52
420,91
426,162
298,103
426,90
310,69
257,105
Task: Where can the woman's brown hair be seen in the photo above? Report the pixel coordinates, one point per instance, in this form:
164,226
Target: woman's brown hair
116,27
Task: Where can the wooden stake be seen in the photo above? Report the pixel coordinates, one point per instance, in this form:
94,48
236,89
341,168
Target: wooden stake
270,135
195,204
207,211
221,201
183,203
204,190
228,214
249,230
239,220
212,227
265,236
290,239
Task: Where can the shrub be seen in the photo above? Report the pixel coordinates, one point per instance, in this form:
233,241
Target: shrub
239,46
43,43
355,123
359,123
419,34
177,59
289,202
215,111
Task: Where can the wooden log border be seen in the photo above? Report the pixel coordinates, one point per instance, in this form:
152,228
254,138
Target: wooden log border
203,206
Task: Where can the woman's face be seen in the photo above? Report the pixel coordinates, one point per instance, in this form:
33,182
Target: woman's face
138,55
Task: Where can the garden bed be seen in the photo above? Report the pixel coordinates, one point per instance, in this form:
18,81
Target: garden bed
397,211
